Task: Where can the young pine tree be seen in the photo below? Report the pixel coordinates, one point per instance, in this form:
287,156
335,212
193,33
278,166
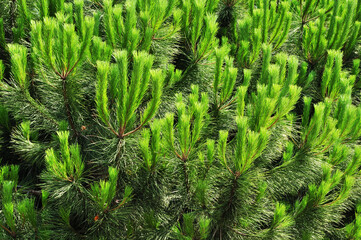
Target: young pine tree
180,119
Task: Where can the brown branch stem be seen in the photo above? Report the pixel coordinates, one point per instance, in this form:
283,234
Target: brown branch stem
120,205
67,108
12,234
133,131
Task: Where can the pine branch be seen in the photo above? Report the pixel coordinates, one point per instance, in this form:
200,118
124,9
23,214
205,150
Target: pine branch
67,107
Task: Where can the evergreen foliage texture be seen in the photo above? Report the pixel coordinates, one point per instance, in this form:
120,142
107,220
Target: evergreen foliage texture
180,119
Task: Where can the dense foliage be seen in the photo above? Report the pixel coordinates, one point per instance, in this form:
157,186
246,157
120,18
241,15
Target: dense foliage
180,119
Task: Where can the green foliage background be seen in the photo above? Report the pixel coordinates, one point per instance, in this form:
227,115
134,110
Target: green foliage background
180,119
